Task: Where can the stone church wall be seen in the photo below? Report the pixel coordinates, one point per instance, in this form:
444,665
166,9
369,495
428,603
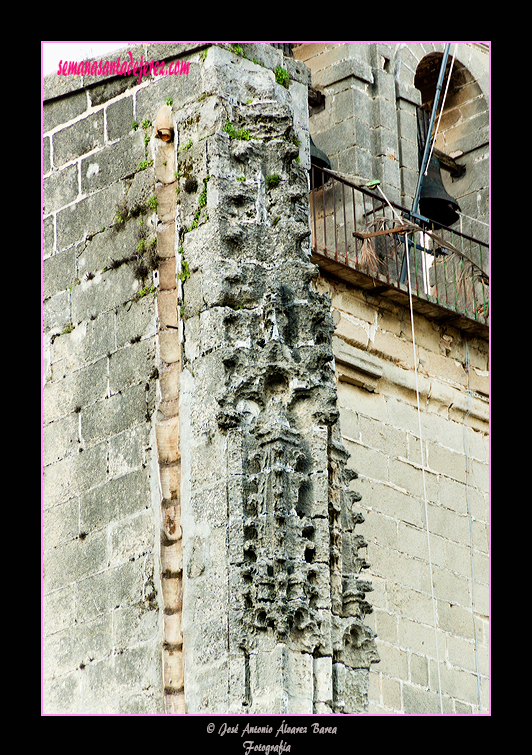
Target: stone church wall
366,124
380,429
233,518
111,536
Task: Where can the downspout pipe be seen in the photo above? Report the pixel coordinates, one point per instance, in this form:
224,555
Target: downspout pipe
426,152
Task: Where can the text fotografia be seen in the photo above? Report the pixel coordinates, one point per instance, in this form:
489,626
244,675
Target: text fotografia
124,68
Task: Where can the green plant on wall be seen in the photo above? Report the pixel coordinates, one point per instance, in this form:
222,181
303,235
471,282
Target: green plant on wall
202,202
142,292
234,133
144,164
145,126
195,222
281,76
184,275
186,146
145,257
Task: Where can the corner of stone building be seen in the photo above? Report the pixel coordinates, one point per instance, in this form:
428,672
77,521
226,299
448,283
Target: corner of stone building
273,600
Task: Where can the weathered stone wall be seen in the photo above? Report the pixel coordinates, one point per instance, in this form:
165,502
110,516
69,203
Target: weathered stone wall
380,428
274,605
193,460
203,522
367,126
111,587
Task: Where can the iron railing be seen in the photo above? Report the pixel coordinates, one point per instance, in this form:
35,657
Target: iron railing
361,236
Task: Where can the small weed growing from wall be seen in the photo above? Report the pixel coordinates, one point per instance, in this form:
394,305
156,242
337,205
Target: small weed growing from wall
184,275
186,146
203,196
144,164
145,256
145,291
145,125
281,76
195,222
202,202
234,133
273,181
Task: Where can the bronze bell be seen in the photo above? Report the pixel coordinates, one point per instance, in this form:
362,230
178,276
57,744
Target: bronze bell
434,202
319,159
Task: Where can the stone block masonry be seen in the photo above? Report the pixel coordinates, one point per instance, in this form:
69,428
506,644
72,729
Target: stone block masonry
111,538
200,552
208,546
366,123
380,428
273,594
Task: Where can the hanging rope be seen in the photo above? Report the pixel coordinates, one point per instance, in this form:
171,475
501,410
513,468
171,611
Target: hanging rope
433,138
434,618
475,220
373,184
435,621
473,604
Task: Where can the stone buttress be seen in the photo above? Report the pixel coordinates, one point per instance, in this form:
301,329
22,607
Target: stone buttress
274,599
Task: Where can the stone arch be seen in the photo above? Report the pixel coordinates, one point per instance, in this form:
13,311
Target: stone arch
463,131
465,109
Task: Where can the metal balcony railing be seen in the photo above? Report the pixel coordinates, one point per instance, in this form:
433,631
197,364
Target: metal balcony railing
361,237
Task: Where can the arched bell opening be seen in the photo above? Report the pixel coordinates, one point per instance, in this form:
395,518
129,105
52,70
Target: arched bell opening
435,202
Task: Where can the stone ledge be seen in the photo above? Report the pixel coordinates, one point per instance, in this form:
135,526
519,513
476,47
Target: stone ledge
363,369
343,69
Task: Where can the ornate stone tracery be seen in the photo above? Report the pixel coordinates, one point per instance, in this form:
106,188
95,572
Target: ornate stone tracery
296,598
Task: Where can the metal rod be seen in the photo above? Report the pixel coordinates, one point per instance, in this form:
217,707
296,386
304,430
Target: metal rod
324,215
354,219
314,208
334,223
426,151
431,126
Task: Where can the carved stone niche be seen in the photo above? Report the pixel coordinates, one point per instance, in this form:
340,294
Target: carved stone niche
278,572
300,559
295,559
